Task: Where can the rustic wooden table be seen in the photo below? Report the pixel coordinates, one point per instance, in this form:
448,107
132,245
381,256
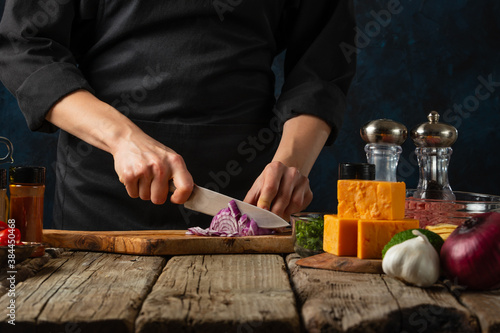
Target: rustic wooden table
75,291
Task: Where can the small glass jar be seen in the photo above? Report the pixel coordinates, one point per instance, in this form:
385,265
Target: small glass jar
27,188
3,196
307,231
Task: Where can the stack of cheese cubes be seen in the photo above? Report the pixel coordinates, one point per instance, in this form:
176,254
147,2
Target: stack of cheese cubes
369,214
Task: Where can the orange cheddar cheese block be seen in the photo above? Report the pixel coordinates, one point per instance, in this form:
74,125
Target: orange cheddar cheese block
373,235
340,236
369,199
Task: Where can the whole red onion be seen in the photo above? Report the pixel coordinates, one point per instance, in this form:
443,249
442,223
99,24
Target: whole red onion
470,256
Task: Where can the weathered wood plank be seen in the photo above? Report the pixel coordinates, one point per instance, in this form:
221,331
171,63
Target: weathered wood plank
24,270
94,292
166,242
485,305
354,302
342,302
28,308
221,293
432,309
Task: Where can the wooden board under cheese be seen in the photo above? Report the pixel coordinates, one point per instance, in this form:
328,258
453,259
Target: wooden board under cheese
344,264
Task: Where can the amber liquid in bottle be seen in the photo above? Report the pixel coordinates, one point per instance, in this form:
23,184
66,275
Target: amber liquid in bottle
26,208
3,205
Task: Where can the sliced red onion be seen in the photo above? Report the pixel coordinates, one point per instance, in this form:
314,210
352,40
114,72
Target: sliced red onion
233,208
197,231
230,223
225,223
253,229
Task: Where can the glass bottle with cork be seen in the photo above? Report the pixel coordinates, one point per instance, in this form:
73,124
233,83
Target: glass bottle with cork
27,188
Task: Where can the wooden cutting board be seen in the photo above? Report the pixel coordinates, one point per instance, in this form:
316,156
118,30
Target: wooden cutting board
165,242
344,264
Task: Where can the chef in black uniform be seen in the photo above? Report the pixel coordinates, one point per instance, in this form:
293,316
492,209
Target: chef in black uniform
150,91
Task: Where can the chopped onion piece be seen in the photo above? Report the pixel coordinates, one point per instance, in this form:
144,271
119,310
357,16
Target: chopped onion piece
230,223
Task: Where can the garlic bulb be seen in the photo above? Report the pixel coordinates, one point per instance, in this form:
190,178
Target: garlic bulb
414,261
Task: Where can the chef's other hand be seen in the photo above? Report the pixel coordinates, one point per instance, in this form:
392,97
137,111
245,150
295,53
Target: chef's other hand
281,189
145,167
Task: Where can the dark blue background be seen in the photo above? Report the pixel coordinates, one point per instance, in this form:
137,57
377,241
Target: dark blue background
425,55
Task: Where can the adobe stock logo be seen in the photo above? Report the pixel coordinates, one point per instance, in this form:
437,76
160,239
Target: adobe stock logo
129,100
223,6
483,91
363,38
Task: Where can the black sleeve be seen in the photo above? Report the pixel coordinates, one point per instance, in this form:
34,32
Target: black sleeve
36,64
317,73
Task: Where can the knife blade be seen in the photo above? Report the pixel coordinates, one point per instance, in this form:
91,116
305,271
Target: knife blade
210,202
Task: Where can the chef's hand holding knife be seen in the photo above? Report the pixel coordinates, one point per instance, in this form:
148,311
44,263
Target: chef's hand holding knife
143,164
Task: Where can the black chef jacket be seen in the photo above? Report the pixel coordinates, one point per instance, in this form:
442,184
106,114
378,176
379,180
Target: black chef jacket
194,74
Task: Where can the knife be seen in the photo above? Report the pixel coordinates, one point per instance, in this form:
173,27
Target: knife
210,202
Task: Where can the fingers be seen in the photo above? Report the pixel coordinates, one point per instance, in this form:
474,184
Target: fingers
290,191
270,185
294,193
128,178
146,175
252,196
144,185
158,186
281,189
138,180
301,198
183,181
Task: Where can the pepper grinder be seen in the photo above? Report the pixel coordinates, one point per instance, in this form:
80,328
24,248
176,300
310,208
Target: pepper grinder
384,138
434,140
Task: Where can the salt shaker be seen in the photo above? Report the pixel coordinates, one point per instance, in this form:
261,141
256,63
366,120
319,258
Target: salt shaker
384,138
434,140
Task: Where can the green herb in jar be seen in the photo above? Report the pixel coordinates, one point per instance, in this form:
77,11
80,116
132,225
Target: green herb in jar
309,233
